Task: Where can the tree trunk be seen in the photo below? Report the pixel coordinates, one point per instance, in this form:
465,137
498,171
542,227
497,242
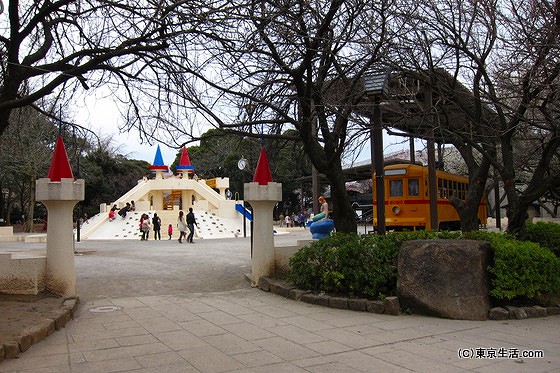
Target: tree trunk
517,218
468,214
31,209
343,213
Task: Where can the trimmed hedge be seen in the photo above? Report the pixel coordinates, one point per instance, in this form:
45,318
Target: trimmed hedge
366,265
546,234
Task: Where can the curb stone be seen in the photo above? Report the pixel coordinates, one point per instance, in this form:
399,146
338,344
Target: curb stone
280,287
390,305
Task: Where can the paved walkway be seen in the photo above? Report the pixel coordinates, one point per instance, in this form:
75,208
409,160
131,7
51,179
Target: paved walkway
129,323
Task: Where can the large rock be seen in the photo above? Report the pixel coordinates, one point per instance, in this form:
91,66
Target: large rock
445,278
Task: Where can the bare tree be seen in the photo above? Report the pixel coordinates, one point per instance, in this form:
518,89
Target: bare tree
435,93
283,66
57,47
506,55
25,152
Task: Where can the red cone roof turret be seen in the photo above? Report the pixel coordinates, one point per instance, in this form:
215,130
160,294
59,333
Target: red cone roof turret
185,162
262,173
60,166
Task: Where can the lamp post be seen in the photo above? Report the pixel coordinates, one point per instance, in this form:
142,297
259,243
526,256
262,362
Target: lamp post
375,85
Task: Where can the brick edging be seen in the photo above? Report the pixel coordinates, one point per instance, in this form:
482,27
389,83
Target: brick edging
39,331
389,305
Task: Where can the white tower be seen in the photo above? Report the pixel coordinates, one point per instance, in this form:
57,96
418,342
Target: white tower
60,193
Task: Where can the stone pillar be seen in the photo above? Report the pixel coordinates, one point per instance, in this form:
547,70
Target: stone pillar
187,197
262,198
157,200
222,184
60,199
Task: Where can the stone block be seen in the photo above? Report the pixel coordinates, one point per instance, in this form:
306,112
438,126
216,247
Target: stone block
357,304
61,318
11,350
553,310
516,313
309,298
280,289
25,341
71,304
338,302
41,331
445,278
296,294
375,306
322,300
264,283
498,313
535,311
392,306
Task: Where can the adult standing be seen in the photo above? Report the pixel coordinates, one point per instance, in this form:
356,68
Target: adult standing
302,219
181,226
191,222
156,223
141,226
145,227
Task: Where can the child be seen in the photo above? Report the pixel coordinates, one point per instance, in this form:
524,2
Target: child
170,230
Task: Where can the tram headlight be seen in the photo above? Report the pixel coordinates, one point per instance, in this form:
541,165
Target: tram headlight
396,210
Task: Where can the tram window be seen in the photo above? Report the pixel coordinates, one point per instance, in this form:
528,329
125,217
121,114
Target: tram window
396,188
440,188
413,187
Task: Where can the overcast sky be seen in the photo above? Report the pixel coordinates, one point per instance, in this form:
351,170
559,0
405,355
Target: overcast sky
101,116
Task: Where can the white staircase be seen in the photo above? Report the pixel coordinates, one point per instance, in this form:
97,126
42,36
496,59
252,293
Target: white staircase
209,225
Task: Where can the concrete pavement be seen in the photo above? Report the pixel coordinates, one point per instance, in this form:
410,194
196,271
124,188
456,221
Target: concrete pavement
169,307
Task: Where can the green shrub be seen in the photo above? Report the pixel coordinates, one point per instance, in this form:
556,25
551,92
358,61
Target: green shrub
347,263
367,265
521,269
546,234
353,264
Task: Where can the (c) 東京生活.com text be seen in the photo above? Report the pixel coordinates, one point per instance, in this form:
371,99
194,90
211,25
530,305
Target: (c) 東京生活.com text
499,353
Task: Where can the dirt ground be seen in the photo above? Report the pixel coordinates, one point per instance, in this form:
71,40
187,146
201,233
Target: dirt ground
21,312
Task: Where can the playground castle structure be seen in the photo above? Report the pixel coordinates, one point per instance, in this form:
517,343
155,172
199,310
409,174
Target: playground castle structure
166,194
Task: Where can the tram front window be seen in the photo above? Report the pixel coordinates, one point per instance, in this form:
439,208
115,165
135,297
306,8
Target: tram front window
413,187
396,188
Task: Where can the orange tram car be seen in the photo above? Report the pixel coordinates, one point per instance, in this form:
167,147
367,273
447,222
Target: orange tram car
407,202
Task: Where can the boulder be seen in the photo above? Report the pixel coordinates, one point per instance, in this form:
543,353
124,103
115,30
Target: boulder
445,278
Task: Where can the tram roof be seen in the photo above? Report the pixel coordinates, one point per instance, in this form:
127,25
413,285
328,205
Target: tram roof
358,171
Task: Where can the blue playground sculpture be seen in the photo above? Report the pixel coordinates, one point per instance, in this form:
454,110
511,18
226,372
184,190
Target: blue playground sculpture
321,228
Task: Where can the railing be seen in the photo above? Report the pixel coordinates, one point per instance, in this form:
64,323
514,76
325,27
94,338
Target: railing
365,217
